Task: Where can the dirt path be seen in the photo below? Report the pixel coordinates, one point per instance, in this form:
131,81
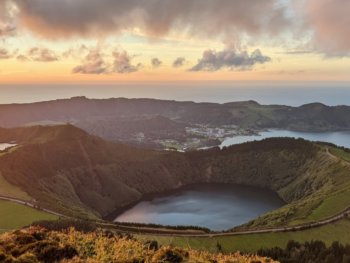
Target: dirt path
187,233
332,156
26,203
192,233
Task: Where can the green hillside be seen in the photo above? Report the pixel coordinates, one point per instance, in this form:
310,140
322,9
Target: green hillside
90,113
162,124
69,171
9,190
253,242
14,216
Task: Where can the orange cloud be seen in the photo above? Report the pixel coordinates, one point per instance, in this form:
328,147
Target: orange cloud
54,19
330,20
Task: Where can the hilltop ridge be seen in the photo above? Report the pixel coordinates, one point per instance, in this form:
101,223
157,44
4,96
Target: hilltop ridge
77,109
163,124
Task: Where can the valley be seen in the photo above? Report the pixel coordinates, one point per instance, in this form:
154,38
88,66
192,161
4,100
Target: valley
162,131
65,170
69,171
173,125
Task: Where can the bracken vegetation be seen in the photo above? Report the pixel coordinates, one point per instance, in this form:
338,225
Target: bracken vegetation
36,244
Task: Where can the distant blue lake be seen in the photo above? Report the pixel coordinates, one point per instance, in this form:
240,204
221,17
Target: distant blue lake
341,138
215,206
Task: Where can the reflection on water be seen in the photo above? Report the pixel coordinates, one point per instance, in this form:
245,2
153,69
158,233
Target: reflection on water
215,206
341,138
220,207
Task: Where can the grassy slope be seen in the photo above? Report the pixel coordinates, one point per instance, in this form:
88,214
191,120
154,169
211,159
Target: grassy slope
69,171
13,216
336,193
9,190
252,243
328,176
313,208
340,153
322,190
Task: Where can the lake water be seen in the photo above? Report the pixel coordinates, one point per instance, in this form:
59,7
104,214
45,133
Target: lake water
4,146
220,207
215,206
341,138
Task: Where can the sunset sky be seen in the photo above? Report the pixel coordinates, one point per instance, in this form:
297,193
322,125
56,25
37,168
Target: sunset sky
121,41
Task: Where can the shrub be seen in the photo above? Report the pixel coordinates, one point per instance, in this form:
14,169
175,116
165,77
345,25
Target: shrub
65,224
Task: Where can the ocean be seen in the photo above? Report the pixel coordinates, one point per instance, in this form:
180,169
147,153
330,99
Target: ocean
264,93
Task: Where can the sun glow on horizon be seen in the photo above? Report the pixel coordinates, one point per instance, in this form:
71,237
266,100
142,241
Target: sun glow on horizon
192,44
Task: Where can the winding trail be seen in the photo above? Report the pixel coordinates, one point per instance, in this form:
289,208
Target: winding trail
332,156
27,203
190,233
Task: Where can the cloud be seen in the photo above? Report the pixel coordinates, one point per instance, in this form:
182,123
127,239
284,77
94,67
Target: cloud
76,52
298,52
229,58
93,64
289,72
123,63
23,58
53,19
42,55
179,62
5,54
329,22
156,62
38,54
6,30
7,20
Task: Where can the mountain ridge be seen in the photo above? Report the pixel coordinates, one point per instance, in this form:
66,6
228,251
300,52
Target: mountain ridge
268,116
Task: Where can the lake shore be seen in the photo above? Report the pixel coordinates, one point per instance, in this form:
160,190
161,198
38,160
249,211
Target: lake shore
194,205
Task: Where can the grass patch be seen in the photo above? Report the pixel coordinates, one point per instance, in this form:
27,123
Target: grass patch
332,205
9,190
340,153
14,216
252,243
